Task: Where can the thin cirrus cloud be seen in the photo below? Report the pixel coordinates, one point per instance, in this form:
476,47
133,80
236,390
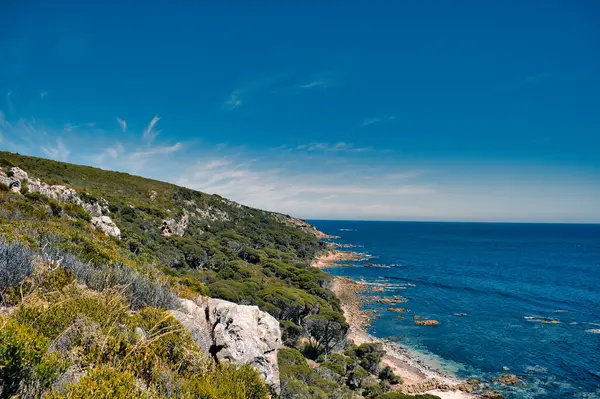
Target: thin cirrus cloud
327,147
234,100
70,127
59,151
123,124
303,192
315,84
378,119
149,133
43,94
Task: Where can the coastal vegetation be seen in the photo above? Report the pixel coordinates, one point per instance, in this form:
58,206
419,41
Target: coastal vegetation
85,311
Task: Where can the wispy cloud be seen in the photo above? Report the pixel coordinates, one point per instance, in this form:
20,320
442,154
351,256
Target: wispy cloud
378,119
149,133
336,147
316,193
158,150
239,96
315,84
123,124
43,94
59,152
9,102
234,100
69,127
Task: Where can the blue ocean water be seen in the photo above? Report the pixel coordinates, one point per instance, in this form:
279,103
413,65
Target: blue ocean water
511,280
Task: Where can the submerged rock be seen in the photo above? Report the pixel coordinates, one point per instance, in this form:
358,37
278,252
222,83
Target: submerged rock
237,333
398,310
508,379
491,395
426,322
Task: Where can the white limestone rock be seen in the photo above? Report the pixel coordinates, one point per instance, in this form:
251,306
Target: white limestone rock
237,333
105,224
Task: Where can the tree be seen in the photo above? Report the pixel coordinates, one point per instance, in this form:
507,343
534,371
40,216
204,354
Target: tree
328,329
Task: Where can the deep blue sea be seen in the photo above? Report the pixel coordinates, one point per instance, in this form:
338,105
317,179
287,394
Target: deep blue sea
508,279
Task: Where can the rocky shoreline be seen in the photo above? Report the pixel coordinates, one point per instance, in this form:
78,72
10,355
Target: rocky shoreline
334,257
418,378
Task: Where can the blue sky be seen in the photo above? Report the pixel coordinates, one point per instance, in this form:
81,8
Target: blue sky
437,110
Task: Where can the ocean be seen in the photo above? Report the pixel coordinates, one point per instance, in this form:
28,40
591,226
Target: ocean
509,297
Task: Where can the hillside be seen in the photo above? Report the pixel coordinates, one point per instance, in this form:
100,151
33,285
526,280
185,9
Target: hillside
92,260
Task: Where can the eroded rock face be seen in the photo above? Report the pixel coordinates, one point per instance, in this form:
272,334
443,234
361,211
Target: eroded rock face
96,208
173,227
105,224
237,333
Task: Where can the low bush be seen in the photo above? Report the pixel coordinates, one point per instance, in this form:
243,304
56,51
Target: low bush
102,383
16,264
387,374
225,381
23,358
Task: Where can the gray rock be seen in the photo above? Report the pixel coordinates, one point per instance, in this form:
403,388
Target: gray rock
105,224
237,333
140,333
19,174
173,227
11,183
97,209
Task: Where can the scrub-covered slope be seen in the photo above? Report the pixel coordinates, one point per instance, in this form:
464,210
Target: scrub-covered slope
94,264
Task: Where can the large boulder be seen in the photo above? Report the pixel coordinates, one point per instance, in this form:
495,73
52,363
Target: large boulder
236,333
106,224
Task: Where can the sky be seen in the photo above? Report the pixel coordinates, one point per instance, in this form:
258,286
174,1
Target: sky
395,110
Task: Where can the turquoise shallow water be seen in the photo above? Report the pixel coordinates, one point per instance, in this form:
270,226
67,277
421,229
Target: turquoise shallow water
511,281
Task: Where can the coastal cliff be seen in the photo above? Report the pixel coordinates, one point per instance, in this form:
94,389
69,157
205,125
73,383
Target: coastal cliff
115,283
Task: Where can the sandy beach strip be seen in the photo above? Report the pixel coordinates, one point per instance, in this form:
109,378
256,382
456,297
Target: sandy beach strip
417,377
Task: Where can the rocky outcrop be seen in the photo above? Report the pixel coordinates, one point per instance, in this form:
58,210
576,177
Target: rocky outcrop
98,209
302,225
173,227
10,180
105,224
236,333
433,384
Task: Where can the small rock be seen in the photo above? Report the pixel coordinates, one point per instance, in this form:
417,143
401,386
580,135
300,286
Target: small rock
508,379
140,333
427,322
491,395
398,310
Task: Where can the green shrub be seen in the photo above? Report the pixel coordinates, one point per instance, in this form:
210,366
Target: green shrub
106,308
21,351
290,332
102,383
369,355
226,381
76,211
5,163
387,374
